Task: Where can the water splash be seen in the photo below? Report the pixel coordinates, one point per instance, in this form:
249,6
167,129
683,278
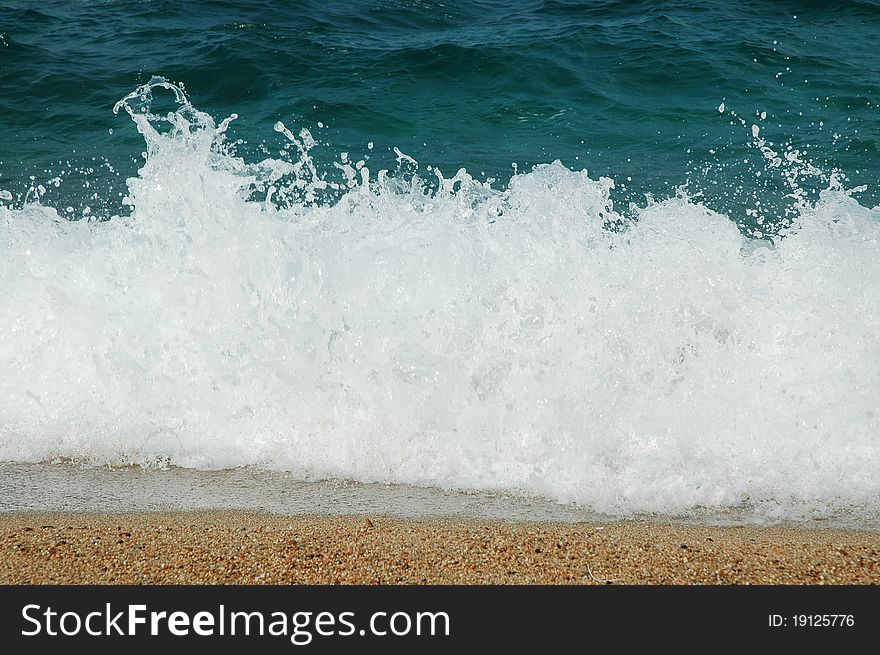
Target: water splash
443,332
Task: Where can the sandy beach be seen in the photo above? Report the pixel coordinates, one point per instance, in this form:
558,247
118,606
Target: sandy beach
250,548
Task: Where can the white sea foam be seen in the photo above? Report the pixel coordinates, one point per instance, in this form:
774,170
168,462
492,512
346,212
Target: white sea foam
470,338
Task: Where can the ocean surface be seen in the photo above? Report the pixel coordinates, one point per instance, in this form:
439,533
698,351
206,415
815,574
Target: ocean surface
619,258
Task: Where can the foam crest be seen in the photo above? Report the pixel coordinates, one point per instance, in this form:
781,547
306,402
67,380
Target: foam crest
462,337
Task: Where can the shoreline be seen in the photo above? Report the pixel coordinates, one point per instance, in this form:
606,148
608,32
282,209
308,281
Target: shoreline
76,488
245,547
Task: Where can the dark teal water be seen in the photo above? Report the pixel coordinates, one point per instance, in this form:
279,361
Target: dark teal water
629,90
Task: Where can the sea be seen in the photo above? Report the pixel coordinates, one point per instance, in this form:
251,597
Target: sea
523,259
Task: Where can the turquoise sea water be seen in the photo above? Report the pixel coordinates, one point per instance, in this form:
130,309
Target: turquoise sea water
619,254
625,89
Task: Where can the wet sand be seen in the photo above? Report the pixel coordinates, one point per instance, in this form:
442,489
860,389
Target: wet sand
228,547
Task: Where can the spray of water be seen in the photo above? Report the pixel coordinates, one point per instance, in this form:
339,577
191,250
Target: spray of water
444,333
